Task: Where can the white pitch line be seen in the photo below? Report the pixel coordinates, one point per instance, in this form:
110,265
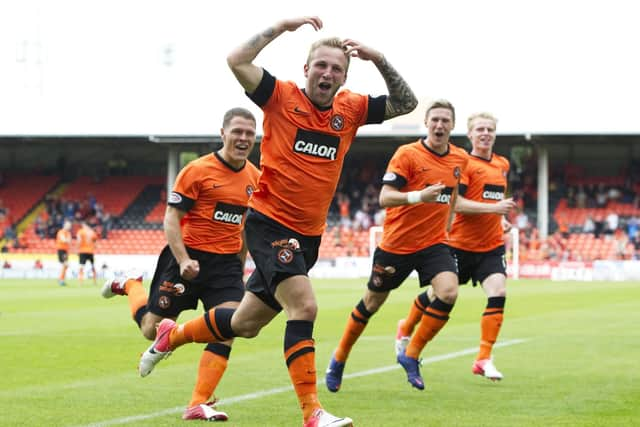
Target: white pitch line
271,392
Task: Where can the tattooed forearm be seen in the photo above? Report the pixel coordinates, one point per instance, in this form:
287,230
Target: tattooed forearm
259,41
401,98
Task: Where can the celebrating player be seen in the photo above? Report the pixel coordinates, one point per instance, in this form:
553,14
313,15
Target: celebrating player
204,259
307,133
417,189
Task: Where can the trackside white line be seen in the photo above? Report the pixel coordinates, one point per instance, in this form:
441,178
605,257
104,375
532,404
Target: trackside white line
271,392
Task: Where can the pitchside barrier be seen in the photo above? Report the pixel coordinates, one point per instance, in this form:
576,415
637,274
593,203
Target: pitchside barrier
46,266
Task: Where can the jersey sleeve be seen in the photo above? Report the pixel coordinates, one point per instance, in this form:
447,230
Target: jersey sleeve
186,189
264,90
377,107
398,171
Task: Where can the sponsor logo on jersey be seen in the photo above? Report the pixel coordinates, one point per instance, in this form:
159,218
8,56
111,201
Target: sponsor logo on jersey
230,214
445,195
175,198
493,192
291,244
173,288
316,144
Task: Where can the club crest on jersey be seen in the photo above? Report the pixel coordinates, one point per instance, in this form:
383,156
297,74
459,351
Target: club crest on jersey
456,172
337,122
164,302
249,190
285,256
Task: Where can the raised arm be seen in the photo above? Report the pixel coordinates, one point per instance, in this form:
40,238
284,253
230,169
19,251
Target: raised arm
401,99
240,60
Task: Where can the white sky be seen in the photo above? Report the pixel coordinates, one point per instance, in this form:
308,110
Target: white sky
99,67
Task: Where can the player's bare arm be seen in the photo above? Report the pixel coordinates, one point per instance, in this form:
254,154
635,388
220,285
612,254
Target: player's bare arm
466,206
506,225
401,99
240,60
189,268
391,196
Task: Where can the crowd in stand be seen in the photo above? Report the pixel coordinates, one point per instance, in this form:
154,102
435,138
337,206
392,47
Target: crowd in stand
58,210
355,208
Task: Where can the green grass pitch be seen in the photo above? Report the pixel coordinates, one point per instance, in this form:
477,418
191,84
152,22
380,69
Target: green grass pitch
572,358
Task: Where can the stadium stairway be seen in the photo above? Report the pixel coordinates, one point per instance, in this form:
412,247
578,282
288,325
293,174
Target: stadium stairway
134,216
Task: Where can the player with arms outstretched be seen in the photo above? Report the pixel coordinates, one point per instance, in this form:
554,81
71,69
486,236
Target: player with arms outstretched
307,133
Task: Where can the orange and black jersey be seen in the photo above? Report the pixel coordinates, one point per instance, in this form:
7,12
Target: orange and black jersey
214,196
414,166
86,241
483,181
303,149
63,240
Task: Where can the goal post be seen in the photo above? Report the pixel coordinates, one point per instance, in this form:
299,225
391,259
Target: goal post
515,253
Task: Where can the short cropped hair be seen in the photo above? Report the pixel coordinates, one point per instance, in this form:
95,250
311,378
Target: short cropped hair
441,103
481,115
329,42
237,111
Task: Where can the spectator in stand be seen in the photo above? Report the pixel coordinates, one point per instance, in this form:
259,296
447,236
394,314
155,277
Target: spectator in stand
600,226
563,226
601,196
362,219
107,224
522,221
344,207
621,241
581,197
589,225
611,223
632,226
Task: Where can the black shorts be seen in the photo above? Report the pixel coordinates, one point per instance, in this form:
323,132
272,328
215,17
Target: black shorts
390,270
477,266
84,257
63,255
219,281
278,253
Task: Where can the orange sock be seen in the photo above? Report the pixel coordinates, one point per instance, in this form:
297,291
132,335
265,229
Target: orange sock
435,317
356,323
214,326
213,363
63,273
302,371
418,307
490,326
136,295
81,275
300,356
